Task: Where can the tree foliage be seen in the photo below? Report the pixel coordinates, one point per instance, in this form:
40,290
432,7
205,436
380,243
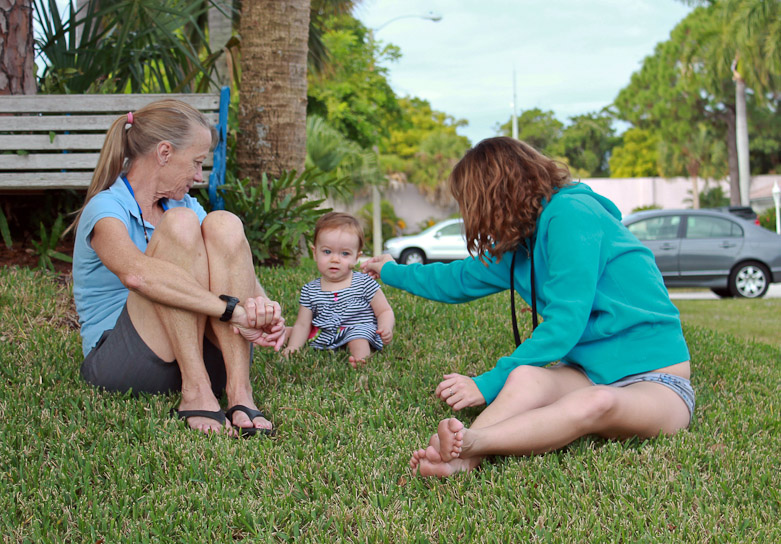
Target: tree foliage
352,94
584,144
687,83
126,45
424,146
636,156
540,129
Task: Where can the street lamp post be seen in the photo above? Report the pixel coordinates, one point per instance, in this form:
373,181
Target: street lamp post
376,201
776,192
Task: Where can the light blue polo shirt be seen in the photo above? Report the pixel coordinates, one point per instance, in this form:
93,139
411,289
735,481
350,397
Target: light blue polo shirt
98,293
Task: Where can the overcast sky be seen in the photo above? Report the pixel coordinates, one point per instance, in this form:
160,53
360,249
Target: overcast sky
570,56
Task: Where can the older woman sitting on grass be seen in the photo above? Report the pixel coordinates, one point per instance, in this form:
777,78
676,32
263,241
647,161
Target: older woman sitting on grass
167,295
622,363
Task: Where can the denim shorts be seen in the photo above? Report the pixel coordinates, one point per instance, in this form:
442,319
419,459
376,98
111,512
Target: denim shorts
121,361
681,386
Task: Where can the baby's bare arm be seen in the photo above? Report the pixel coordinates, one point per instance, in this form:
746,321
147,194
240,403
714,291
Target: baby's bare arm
386,319
301,328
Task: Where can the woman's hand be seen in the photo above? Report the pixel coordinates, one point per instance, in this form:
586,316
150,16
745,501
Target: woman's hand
374,265
262,312
459,392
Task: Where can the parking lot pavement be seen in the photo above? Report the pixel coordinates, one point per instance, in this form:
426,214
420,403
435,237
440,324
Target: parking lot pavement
774,291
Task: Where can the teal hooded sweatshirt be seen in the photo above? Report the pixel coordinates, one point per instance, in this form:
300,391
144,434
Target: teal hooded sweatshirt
600,295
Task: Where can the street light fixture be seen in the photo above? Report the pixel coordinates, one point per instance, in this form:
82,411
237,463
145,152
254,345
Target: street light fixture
430,16
376,205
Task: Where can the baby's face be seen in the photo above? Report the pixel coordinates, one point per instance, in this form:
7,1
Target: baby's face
336,253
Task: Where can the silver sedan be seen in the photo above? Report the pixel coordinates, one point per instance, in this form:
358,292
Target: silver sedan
709,248
444,241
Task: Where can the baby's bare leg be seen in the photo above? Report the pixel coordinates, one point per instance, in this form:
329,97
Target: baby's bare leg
359,351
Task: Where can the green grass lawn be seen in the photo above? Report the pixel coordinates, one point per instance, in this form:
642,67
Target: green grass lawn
81,465
758,320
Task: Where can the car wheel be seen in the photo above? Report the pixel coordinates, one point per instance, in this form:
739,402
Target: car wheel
411,256
749,280
722,292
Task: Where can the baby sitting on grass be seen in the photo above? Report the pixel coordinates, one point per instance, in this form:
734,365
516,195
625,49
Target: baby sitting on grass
343,306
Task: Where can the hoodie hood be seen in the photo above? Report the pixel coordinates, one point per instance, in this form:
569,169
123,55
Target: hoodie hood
580,188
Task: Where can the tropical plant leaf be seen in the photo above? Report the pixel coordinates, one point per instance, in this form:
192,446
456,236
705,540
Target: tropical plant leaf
5,232
126,45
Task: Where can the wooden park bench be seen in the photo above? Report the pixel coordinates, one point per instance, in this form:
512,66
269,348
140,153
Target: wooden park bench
53,141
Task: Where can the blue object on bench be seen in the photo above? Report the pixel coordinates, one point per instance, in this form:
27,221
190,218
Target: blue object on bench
217,176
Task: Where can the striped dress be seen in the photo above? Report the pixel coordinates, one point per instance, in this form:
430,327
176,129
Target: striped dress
341,316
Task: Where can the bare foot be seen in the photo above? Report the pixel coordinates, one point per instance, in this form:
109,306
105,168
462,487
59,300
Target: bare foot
205,425
359,352
355,363
451,437
239,418
430,463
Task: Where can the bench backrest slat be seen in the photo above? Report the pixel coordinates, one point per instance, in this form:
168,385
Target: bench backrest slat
43,142
57,123
54,161
59,180
54,141
92,103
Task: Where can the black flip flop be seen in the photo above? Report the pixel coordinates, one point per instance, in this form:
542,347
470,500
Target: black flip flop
251,414
218,416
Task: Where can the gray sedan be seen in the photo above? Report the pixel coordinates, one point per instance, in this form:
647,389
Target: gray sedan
710,248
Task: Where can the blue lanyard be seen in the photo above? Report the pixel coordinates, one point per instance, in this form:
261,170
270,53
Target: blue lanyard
143,225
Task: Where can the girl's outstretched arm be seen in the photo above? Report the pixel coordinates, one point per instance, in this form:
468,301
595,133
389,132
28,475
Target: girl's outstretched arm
374,265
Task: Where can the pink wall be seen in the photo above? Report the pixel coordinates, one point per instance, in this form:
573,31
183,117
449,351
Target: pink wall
626,193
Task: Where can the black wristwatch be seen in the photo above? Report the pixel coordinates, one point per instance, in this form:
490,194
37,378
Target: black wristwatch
232,301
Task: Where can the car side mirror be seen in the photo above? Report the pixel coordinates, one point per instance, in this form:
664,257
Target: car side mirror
438,235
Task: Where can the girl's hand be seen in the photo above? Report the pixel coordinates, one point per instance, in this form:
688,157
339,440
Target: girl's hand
374,265
459,392
269,336
386,335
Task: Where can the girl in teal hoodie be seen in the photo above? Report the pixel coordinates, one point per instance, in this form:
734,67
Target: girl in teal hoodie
621,365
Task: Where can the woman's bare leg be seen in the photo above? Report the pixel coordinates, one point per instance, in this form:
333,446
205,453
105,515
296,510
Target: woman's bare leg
526,388
231,272
174,334
643,409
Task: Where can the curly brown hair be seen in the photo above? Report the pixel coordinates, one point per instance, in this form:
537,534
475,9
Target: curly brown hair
499,185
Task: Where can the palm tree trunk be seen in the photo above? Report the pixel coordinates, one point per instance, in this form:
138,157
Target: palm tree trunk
17,64
272,97
732,156
741,123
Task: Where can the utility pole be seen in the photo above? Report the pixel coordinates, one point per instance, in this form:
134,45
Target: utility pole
515,102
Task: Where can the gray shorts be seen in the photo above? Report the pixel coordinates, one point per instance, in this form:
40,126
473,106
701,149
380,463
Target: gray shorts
121,361
682,387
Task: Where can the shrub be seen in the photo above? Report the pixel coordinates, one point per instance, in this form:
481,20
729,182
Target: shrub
767,219
391,224
278,213
46,247
645,208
